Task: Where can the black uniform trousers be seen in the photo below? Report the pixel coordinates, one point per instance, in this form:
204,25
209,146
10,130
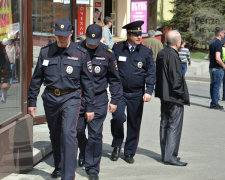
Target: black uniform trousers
170,129
62,115
93,146
134,104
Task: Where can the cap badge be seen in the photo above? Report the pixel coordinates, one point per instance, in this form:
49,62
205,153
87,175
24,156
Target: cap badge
97,69
62,26
139,65
93,35
69,69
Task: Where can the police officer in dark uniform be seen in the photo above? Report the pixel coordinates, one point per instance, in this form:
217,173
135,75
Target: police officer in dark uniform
105,72
63,67
137,73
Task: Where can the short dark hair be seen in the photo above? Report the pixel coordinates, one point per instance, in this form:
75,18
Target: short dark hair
218,30
107,19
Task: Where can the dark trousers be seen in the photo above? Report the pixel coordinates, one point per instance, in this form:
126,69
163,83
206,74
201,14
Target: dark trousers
62,115
170,129
92,148
134,104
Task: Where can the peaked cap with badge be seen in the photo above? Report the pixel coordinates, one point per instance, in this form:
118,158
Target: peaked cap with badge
93,34
63,27
134,27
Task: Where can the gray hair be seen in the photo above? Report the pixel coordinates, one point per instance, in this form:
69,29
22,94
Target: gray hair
218,30
107,19
172,37
151,33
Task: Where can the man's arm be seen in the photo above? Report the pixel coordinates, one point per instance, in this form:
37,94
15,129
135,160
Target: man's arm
175,75
115,86
87,84
150,74
219,60
36,82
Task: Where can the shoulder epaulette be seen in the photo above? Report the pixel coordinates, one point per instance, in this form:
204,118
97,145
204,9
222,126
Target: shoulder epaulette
81,48
120,42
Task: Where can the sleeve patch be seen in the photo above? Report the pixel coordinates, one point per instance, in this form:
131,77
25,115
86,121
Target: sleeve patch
89,66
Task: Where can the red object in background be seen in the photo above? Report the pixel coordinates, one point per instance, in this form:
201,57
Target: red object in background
98,4
81,23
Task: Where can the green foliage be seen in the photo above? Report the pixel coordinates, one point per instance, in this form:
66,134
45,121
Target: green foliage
197,34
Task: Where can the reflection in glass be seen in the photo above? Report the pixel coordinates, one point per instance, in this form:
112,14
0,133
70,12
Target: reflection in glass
45,14
10,58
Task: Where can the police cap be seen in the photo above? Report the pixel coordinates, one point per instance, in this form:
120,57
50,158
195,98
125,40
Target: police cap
63,27
93,34
134,27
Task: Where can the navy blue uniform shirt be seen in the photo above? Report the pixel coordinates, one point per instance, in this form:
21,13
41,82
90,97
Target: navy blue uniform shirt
215,46
64,69
105,71
136,69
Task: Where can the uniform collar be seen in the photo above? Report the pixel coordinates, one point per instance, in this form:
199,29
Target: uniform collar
54,49
127,46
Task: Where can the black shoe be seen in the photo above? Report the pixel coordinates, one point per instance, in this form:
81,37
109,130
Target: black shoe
129,159
81,160
115,154
93,177
56,173
176,163
219,107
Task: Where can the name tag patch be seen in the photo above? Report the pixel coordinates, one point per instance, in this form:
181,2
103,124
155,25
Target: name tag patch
73,58
45,62
100,58
122,58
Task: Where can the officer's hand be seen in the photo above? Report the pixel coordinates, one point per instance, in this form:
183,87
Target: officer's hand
32,111
89,116
147,97
112,108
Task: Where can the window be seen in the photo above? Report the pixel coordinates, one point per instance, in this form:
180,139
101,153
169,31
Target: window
10,59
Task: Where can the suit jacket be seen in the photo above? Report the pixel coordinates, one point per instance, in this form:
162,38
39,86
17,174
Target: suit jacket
170,83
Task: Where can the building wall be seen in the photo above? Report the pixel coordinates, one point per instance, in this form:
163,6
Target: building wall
164,7
123,16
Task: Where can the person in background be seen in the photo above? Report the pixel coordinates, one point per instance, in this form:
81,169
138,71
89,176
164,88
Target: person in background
223,50
5,72
101,24
105,72
106,32
97,15
184,55
153,43
65,69
11,53
171,89
216,68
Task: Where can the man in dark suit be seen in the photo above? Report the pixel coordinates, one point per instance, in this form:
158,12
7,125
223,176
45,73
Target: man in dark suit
172,90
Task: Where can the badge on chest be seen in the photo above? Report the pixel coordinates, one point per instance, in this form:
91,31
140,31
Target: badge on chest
97,69
69,69
139,65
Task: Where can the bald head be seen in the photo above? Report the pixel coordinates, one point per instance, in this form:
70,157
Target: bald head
173,38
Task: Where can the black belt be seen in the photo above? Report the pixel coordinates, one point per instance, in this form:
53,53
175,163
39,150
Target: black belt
60,92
